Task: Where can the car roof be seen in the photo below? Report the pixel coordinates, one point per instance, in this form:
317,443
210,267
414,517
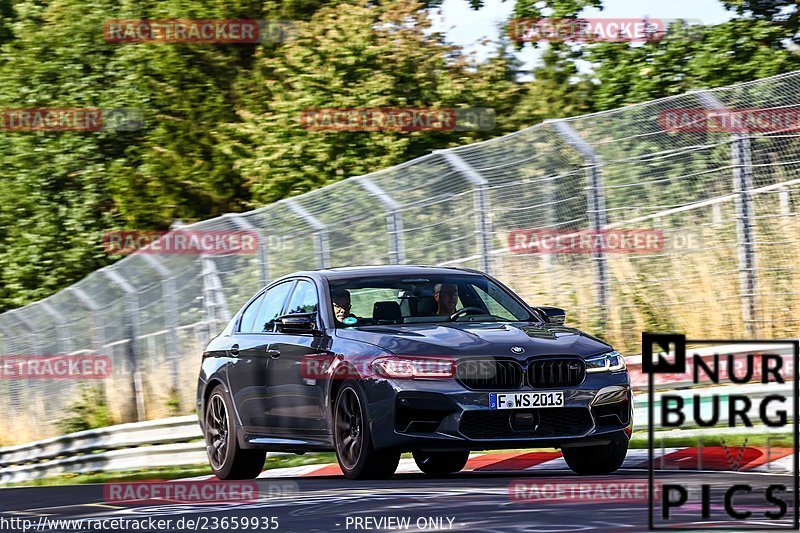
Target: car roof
382,270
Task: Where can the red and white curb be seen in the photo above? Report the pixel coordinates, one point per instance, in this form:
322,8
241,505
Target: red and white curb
749,459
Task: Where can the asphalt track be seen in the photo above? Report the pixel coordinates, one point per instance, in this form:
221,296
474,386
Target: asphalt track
474,501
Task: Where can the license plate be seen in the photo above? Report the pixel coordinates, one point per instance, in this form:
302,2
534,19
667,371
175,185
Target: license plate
525,400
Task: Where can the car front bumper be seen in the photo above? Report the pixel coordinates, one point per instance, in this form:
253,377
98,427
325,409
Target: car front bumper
443,414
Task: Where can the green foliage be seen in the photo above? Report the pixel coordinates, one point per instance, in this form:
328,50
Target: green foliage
557,9
365,56
559,90
222,129
688,58
784,12
90,411
208,145
62,190
174,403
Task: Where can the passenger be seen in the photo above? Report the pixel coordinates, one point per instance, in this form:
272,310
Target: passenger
446,296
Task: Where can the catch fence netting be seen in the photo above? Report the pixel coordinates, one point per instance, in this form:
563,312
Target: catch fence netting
723,201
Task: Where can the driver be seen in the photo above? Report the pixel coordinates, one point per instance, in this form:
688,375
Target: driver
341,304
446,296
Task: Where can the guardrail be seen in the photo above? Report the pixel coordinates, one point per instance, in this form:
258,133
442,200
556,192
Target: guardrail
178,440
166,442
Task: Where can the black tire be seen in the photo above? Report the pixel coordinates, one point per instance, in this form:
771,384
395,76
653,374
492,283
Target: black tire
352,438
227,459
597,460
440,463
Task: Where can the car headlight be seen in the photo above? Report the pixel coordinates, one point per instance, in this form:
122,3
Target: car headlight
607,362
413,367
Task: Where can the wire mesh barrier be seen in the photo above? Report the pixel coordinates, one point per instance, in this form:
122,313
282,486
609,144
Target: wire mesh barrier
721,201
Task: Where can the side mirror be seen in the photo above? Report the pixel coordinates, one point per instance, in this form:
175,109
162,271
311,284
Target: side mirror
297,323
553,315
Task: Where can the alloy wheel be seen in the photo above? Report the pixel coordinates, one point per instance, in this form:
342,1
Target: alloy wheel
217,431
349,428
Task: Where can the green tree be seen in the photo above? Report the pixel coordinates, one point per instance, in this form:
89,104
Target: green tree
687,58
753,45
62,190
369,55
558,90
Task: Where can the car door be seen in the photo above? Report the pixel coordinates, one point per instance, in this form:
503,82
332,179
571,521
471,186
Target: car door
297,397
250,345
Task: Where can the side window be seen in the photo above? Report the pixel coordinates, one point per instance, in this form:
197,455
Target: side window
249,315
304,298
272,307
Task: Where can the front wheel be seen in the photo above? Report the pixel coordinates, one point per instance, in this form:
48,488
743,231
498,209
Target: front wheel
354,451
227,459
440,463
597,460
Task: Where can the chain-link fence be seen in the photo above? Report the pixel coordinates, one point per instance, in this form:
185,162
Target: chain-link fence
729,193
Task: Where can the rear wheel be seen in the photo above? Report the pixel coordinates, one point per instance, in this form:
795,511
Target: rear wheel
596,460
439,463
227,459
354,451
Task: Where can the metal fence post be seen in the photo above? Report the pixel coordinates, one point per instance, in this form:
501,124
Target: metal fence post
98,335
170,307
33,388
214,301
10,347
394,220
480,191
63,339
98,338
8,335
785,200
132,331
320,233
741,158
550,218
597,209
34,337
8,344
263,257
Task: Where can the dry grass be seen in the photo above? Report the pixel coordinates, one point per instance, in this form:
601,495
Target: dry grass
694,291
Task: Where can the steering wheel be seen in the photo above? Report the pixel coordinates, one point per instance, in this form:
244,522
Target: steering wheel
465,310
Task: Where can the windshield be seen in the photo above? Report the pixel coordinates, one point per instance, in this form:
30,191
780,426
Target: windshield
422,300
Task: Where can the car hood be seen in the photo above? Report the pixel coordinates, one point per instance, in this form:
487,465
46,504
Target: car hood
466,338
